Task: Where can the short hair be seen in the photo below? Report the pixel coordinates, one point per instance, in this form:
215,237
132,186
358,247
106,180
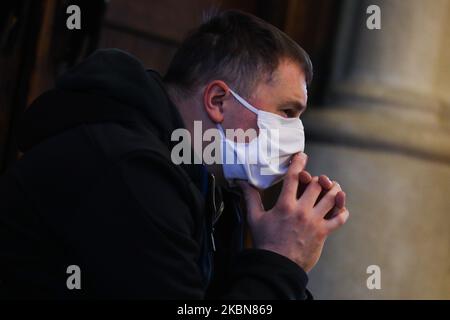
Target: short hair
235,47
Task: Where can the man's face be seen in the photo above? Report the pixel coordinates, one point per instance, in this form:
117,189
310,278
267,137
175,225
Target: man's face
285,94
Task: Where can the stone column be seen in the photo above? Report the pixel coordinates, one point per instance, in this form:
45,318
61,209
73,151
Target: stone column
384,134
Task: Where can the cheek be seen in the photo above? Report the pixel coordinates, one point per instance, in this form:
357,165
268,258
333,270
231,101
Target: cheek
247,121
242,119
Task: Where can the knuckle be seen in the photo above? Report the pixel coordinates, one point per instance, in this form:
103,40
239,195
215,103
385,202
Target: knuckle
286,206
301,214
292,175
303,209
342,218
320,231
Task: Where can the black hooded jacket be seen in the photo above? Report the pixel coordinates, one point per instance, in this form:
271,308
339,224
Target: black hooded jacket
96,189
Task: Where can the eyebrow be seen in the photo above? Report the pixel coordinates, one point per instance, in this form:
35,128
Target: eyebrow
292,103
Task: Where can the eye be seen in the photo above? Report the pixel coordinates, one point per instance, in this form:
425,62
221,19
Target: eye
289,113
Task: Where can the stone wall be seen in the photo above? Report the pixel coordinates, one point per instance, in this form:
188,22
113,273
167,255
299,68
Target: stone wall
384,134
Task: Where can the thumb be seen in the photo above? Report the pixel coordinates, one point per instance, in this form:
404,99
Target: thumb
253,201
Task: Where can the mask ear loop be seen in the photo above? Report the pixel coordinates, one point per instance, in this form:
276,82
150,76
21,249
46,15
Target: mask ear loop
244,103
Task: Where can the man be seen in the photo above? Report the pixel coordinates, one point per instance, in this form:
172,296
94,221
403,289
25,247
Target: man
98,193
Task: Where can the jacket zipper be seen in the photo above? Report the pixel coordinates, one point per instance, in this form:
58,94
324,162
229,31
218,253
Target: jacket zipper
217,212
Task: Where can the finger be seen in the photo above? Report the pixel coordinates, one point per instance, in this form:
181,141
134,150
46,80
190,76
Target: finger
338,220
326,185
340,199
253,201
311,193
339,204
332,213
325,182
290,183
328,201
304,179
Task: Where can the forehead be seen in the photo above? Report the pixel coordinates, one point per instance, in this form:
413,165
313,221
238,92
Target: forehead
289,74
287,81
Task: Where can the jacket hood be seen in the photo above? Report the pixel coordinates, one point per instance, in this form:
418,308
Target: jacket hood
110,85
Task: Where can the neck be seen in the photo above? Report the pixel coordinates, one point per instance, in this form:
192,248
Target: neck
191,110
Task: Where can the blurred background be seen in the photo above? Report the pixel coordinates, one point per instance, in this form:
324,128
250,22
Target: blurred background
378,116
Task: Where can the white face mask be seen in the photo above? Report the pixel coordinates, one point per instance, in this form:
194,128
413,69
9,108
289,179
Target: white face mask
264,160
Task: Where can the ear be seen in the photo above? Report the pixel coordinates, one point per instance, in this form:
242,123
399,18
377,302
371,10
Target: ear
214,96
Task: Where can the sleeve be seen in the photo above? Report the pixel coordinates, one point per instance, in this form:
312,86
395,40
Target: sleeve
265,275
